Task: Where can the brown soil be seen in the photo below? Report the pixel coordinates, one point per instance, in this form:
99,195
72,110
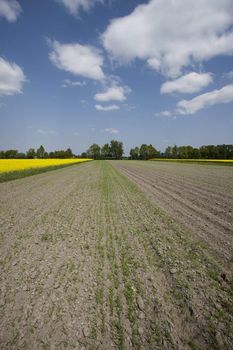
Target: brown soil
88,261
198,196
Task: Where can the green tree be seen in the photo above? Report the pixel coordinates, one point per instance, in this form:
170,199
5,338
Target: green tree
2,154
152,152
143,152
94,151
40,153
69,153
148,152
174,151
84,155
195,153
168,152
11,153
20,155
105,151
134,153
116,149
31,153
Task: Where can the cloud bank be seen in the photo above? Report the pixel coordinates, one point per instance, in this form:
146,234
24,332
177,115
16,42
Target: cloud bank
171,35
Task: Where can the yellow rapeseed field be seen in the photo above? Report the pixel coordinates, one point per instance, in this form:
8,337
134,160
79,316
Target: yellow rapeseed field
11,165
196,160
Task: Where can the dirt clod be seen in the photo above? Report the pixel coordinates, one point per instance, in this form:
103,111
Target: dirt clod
140,303
140,331
85,331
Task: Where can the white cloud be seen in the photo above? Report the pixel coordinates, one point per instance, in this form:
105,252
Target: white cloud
11,78
171,35
74,6
109,108
228,75
112,130
10,9
114,93
189,83
69,83
224,95
163,114
46,132
77,59
84,102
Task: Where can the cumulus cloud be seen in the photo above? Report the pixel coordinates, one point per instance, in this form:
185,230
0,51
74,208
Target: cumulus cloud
11,78
224,95
114,93
77,59
69,83
189,83
112,130
10,9
109,108
74,6
171,35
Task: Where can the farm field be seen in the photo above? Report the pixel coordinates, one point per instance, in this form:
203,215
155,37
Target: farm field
199,197
117,255
11,169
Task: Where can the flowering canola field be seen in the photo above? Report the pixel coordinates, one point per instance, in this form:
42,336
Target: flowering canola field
11,165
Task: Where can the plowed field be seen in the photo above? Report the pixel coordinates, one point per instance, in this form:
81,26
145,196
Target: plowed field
111,255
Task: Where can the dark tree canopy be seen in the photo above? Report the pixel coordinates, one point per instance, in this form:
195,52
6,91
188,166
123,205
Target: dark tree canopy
40,153
134,153
94,151
106,151
31,153
116,149
204,152
147,152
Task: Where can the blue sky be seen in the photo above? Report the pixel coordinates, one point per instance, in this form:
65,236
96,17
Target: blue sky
77,72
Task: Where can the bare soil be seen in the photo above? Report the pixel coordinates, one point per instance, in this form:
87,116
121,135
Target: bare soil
90,261
198,196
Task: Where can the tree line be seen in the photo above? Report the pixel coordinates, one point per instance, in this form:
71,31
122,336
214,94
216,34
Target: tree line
203,152
40,153
112,150
115,150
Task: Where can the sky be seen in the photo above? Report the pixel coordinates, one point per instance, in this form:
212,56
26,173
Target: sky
77,72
